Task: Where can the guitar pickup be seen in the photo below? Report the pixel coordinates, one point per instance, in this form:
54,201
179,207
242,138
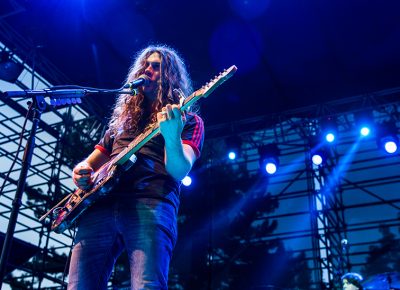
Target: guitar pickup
128,164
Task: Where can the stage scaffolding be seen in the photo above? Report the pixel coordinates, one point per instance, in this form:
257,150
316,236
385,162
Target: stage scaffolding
49,177
333,213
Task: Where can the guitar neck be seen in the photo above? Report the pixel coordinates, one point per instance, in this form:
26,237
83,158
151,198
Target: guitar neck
136,144
143,138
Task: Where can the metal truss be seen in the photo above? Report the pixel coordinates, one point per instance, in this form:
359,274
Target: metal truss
64,136
332,213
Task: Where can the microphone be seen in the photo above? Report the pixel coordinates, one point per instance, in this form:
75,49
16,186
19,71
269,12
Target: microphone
141,80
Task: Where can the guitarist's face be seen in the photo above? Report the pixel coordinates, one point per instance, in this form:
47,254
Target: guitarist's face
153,71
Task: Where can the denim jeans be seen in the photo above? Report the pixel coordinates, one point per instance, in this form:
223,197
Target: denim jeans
145,227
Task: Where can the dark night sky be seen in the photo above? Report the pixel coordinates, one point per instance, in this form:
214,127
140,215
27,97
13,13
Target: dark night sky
289,53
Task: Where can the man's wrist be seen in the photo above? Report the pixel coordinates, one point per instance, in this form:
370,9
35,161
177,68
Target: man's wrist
173,144
83,163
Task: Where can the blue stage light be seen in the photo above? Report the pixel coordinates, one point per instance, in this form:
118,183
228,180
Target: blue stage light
233,145
365,122
390,146
187,181
386,136
330,137
271,167
319,150
329,128
317,159
365,131
269,157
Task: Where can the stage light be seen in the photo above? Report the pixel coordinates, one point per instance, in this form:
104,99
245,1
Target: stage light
269,157
187,181
330,137
387,138
317,159
9,69
365,131
233,144
390,146
318,150
364,121
232,155
271,166
329,128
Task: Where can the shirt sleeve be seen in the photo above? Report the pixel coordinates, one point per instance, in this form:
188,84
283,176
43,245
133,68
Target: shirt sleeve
193,133
105,144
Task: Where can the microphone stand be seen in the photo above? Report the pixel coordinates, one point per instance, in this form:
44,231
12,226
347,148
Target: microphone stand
58,97
37,108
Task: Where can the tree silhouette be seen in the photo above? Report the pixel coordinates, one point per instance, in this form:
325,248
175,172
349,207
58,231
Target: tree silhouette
223,242
384,257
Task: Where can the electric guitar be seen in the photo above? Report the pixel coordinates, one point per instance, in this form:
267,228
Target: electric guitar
65,213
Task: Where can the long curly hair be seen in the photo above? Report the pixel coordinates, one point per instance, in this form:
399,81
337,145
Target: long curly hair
128,113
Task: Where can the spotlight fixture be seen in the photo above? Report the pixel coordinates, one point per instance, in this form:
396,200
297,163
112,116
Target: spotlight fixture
269,158
391,146
233,144
329,129
364,121
386,137
9,69
271,166
317,158
365,131
330,137
318,151
187,180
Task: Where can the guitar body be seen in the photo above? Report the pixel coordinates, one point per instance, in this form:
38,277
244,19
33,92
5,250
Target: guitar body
72,206
77,202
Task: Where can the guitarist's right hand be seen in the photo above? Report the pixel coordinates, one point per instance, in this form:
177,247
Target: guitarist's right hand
82,175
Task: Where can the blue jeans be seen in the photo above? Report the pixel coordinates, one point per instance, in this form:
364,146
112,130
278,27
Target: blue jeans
145,227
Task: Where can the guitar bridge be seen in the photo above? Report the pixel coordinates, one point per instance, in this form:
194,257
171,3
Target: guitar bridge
56,212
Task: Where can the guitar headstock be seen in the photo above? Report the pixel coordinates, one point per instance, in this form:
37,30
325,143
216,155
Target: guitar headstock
209,87
214,83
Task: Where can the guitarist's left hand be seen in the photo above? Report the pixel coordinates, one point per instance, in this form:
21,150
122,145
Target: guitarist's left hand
171,121
179,157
